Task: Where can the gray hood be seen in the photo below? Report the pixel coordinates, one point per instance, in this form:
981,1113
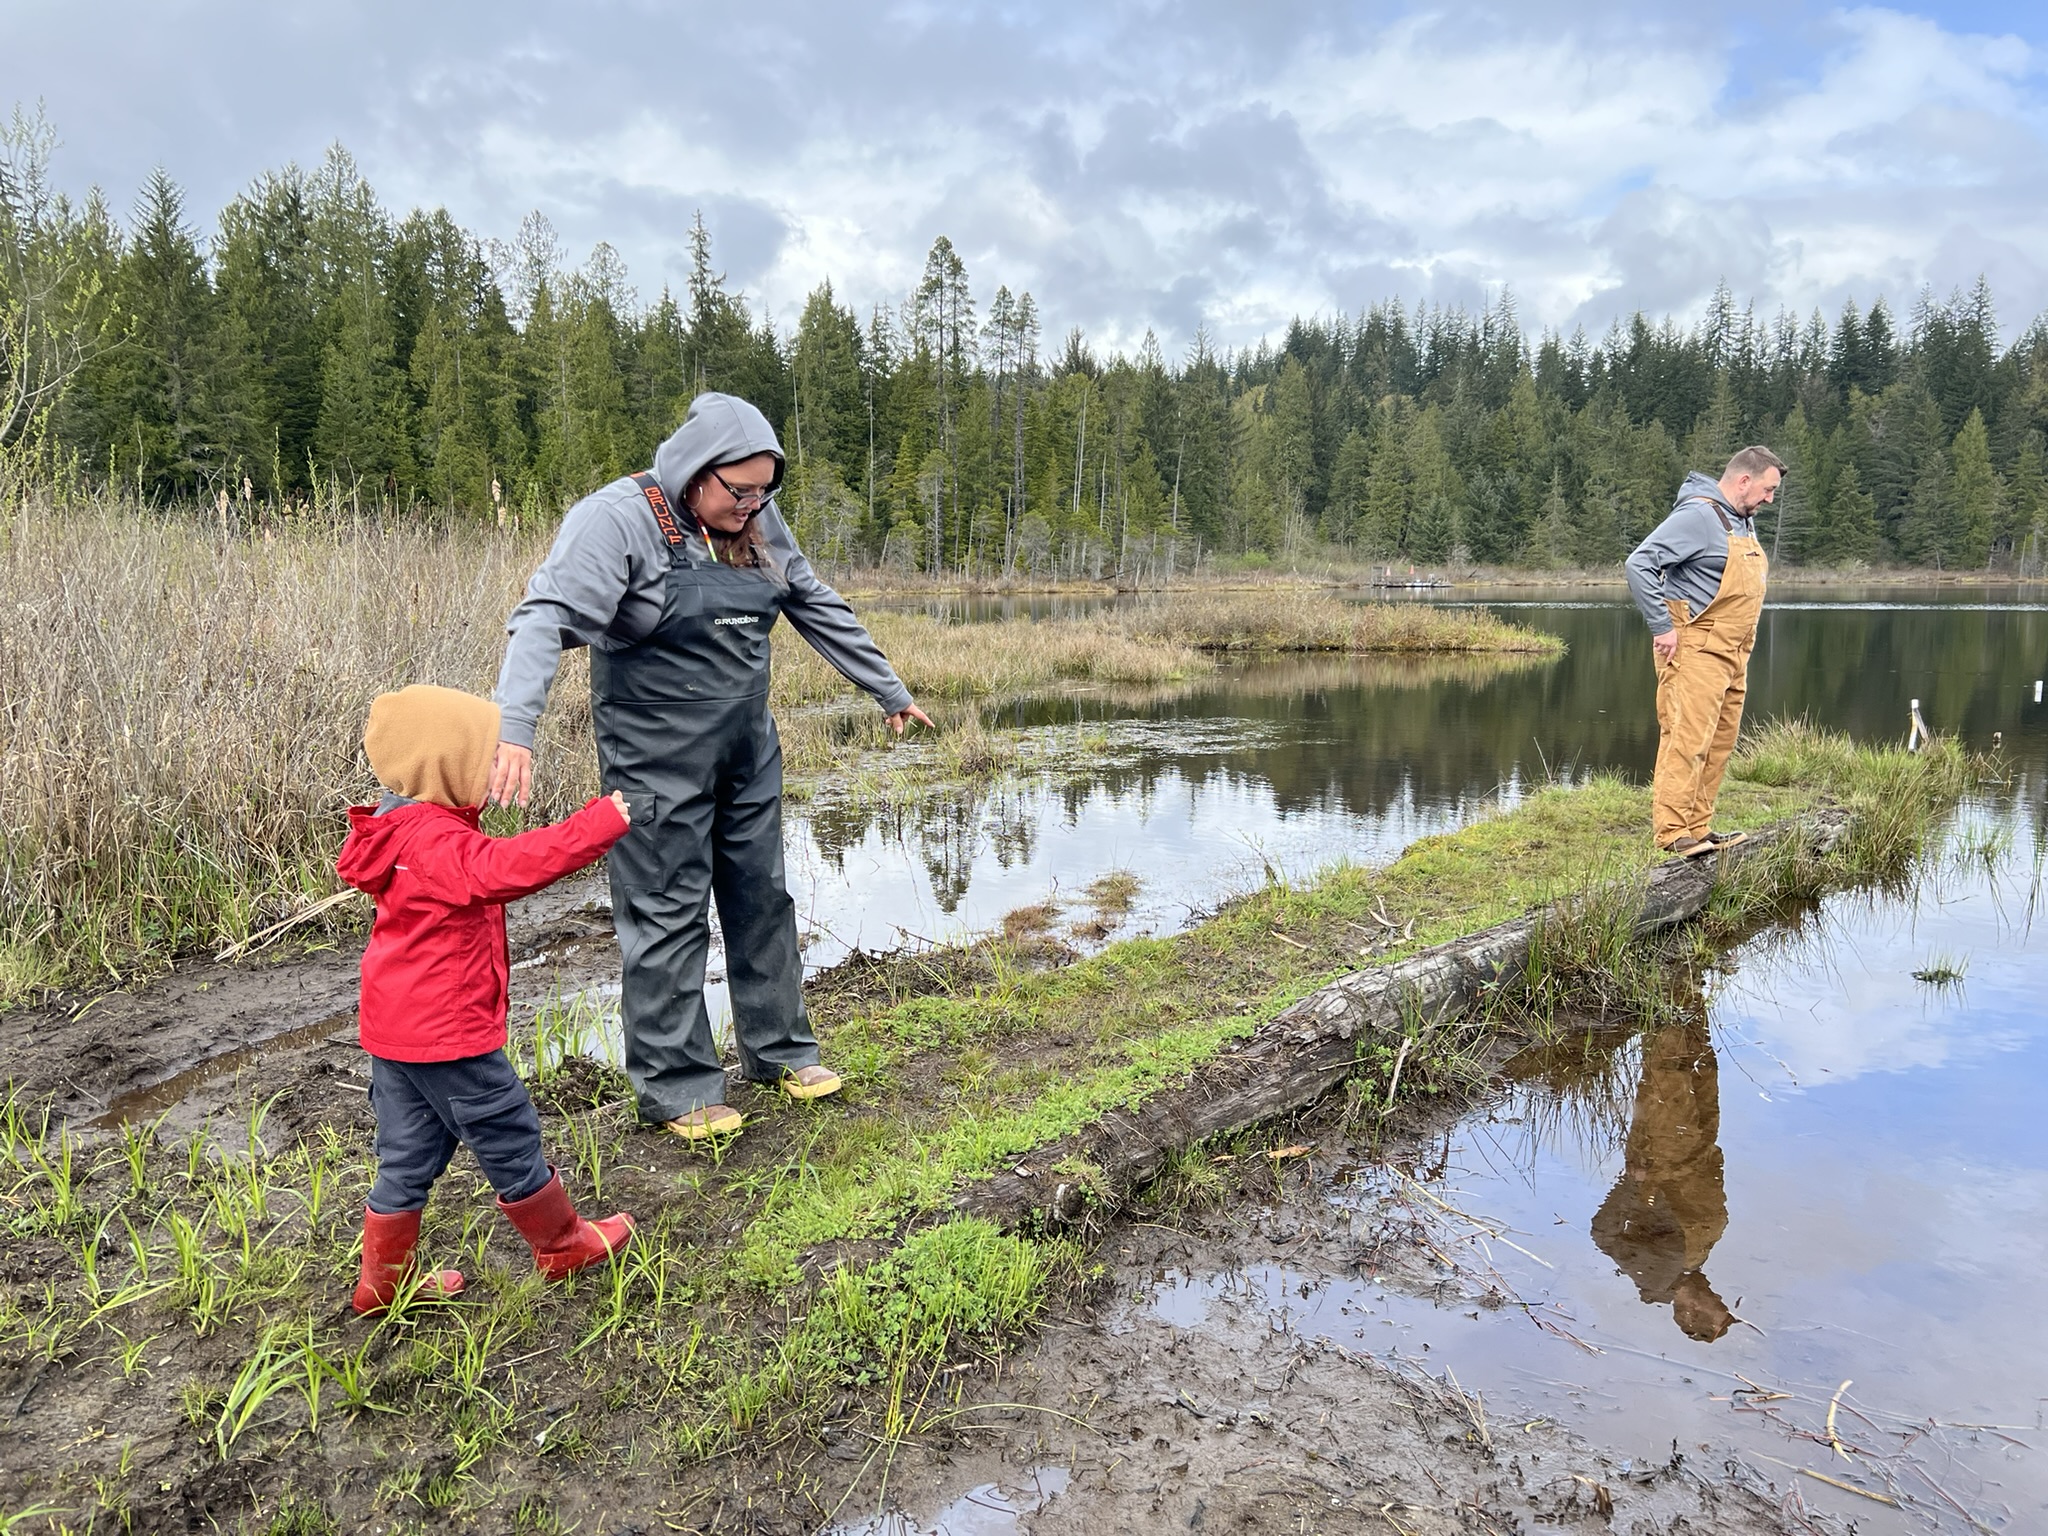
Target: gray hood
1697,484
719,429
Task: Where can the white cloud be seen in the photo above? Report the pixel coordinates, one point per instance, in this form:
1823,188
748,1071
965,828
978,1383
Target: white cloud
1132,165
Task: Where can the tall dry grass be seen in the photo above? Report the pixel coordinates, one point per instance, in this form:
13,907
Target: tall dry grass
181,709
181,712
938,660
181,717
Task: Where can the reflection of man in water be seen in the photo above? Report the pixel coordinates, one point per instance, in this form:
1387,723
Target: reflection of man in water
1668,1209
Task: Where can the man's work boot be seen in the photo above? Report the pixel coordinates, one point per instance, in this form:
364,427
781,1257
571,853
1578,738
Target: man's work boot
388,1244
1689,847
562,1241
1727,839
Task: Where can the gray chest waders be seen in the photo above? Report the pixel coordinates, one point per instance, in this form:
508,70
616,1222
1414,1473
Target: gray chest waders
683,731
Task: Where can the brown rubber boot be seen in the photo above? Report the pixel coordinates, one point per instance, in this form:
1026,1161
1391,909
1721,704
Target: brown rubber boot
562,1241
388,1244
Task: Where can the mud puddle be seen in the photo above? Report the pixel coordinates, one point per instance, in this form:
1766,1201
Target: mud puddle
1253,1420
1800,1233
184,1045
988,1509
157,1099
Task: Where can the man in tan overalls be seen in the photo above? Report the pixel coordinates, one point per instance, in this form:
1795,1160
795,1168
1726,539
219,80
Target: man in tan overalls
1699,581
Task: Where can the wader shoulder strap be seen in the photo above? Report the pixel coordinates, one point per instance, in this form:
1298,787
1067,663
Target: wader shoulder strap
664,514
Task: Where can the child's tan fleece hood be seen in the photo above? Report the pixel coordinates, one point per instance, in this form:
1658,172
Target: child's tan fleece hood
433,744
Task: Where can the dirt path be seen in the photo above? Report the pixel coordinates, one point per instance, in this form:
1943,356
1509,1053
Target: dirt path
195,1040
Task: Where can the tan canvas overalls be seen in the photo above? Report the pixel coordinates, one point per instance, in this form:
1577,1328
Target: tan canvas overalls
1700,692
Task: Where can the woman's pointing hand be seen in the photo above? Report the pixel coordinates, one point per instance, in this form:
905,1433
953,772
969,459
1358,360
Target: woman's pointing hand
511,775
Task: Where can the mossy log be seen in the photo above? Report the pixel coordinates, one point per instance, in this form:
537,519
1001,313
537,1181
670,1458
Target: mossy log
1311,1048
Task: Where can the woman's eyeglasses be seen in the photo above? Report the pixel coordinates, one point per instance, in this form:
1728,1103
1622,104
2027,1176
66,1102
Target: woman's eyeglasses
748,498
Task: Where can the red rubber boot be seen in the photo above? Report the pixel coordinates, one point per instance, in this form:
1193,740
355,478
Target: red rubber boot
388,1244
562,1241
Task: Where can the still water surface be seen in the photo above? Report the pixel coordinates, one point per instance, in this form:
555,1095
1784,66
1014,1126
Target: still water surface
1287,764
1835,1173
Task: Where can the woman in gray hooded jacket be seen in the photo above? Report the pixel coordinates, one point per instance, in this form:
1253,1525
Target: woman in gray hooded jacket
674,579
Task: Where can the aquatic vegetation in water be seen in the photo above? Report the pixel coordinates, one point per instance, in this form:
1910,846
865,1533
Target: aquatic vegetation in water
1943,970
1325,621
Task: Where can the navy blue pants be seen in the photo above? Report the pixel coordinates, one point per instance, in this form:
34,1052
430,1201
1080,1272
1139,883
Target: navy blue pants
425,1109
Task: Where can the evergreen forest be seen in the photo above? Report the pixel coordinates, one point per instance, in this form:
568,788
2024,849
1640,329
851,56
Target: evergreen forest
315,351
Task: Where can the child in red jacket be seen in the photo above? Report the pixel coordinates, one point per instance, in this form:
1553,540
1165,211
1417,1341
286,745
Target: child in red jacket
435,982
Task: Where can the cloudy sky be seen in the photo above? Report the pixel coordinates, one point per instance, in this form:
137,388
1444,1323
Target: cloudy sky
1144,164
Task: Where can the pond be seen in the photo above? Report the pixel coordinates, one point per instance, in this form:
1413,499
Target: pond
1804,1229
1829,1184
1284,765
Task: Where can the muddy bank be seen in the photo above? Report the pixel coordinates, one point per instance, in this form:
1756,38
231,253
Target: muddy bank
797,1301
1108,1415
181,1041
1117,1418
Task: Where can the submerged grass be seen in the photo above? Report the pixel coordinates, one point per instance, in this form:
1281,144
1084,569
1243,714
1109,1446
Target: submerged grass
812,1276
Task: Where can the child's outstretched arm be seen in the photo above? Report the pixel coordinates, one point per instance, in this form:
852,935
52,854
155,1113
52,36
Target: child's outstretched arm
501,869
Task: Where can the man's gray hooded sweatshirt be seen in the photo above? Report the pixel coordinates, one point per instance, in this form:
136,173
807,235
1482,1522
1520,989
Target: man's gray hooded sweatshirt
1684,556
603,581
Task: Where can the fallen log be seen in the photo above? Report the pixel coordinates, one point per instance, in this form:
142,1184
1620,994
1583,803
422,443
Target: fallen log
1311,1048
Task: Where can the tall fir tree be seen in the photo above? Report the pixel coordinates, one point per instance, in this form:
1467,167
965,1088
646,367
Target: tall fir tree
167,379
1976,508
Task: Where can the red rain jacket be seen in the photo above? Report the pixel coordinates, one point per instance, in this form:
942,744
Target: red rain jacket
435,974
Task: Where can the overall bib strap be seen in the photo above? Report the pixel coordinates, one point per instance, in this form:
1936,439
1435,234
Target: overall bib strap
664,514
711,640
1741,584
1726,526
